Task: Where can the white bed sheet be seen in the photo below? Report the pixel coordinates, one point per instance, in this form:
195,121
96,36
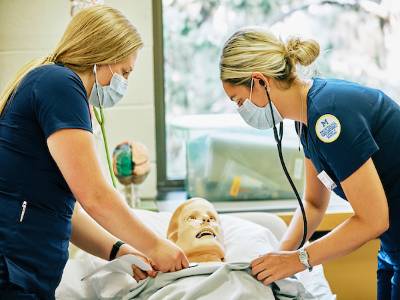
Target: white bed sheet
244,240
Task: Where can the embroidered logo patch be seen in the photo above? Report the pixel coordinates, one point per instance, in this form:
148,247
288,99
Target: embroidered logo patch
327,128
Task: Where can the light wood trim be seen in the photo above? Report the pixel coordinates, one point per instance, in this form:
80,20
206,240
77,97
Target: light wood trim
330,220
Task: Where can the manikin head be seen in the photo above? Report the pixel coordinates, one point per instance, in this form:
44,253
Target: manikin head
195,227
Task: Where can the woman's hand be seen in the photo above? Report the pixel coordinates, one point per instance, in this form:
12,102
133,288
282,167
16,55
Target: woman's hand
138,274
276,265
167,257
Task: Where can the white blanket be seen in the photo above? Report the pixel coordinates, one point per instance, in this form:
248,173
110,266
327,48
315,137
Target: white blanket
244,241
215,281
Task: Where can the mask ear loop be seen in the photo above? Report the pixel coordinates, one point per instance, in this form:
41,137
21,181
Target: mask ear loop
101,120
251,87
110,69
278,139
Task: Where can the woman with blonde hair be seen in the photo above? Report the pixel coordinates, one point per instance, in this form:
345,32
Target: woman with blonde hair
47,160
348,132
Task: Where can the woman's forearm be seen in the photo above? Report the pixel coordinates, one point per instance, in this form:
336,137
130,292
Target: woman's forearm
292,238
345,238
110,211
90,236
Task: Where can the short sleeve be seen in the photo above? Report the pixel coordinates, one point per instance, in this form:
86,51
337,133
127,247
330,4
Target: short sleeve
304,143
306,153
344,139
60,102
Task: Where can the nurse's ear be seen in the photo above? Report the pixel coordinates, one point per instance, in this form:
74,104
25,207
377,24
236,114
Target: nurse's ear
262,83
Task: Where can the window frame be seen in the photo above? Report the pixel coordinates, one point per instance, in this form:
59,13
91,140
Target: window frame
163,183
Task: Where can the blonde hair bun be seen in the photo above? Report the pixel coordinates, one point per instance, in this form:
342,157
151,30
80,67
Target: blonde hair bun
256,49
303,52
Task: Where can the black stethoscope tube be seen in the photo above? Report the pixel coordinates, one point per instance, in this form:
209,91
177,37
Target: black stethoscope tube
278,139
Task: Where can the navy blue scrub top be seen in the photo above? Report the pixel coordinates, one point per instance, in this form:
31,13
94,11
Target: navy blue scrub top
348,124
34,240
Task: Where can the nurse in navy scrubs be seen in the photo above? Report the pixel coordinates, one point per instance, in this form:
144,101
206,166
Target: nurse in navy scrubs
351,140
47,161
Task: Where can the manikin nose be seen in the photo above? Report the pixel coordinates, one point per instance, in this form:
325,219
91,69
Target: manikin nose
206,219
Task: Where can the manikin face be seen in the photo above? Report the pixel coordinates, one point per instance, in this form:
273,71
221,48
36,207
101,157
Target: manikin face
197,231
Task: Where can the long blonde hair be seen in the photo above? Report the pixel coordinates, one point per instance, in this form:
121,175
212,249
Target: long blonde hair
255,49
96,35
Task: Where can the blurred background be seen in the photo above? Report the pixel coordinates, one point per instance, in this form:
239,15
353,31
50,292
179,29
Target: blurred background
175,101
360,41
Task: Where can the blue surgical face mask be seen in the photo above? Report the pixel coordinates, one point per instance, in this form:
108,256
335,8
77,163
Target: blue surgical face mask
108,96
259,117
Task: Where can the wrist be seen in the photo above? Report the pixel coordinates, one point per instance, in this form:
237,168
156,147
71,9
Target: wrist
304,259
124,249
115,250
154,246
147,243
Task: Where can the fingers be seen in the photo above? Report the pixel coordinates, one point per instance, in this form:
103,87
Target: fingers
263,275
170,267
169,257
152,273
182,262
185,262
258,268
257,261
269,280
138,274
153,265
178,265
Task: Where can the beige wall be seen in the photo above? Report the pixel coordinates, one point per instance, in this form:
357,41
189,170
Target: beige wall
30,29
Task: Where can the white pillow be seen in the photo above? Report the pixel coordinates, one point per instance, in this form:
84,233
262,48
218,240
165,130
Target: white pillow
243,240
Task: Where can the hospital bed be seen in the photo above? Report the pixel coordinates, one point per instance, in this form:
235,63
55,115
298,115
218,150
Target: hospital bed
246,236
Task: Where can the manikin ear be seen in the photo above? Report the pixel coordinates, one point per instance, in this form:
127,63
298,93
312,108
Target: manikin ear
173,236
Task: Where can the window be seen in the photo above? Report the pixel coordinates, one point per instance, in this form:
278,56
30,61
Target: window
358,40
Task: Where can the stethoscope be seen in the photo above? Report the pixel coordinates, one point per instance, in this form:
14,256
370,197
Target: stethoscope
101,120
278,139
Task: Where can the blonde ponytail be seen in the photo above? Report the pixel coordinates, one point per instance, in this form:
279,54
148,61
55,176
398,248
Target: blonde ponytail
96,35
255,49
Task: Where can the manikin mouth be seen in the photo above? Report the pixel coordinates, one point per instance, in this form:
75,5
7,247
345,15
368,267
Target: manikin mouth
205,232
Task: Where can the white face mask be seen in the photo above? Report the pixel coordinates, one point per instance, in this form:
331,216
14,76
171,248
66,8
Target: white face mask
259,117
108,96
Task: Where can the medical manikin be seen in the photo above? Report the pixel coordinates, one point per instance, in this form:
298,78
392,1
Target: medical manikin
195,227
